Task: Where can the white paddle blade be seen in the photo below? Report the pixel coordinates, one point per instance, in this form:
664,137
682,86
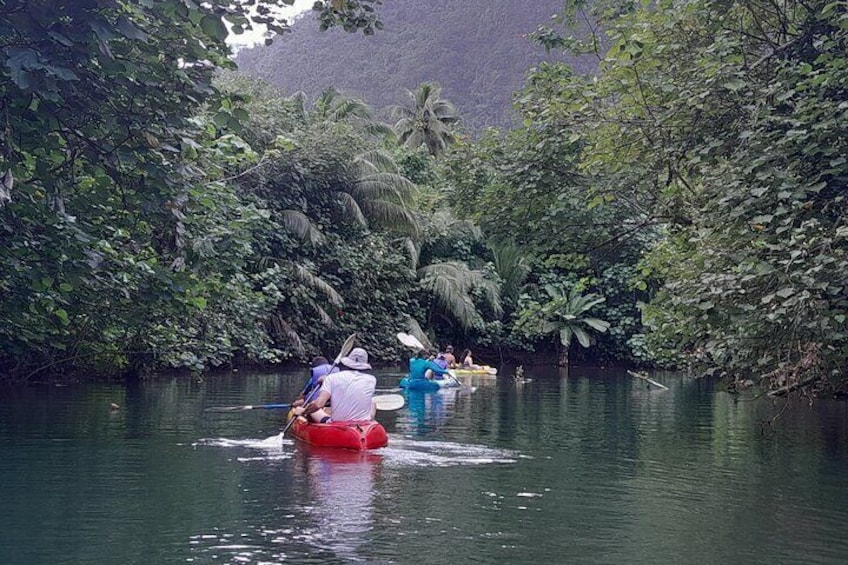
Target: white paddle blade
227,408
389,401
491,370
409,340
452,374
346,347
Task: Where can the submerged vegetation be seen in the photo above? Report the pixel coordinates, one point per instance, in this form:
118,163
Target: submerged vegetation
684,206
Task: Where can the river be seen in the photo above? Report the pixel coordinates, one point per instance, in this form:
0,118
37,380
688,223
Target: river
592,467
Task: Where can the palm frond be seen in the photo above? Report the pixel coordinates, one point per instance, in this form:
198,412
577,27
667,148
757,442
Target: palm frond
385,185
451,283
491,292
392,216
300,224
376,160
351,207
323,317
582,336
349,108
452,301
315,282
512,267
414,251
398,112
324,103
596,324
414,328
281,328
379,129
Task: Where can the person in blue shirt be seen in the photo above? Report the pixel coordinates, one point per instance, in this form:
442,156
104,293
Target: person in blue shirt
441,361
422,363
320,368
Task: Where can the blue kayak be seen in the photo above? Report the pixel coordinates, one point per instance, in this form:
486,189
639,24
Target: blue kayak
427,384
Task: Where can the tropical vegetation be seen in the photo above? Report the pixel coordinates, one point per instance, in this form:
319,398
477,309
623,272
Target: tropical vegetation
683,206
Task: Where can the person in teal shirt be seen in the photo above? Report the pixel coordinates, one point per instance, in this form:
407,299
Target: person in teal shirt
421,364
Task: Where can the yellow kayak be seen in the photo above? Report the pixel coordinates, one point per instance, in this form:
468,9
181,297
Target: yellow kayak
484,370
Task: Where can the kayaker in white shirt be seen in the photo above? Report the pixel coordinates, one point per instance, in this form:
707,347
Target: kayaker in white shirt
351,390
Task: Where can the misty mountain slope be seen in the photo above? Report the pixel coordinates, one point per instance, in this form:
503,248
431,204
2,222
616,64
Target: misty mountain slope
476,49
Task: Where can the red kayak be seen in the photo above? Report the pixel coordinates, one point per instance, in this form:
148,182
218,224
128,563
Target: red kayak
345,435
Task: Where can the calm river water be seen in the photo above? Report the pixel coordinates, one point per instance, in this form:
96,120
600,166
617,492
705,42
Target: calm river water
589,468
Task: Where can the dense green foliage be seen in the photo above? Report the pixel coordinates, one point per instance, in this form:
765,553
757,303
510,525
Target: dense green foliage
725,124
119,246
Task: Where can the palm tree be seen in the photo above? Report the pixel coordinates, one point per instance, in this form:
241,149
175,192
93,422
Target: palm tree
451,284
332,108
454,289
380,194
564,314
428,120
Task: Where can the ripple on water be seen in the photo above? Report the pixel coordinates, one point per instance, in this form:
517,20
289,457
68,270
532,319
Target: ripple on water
274,447
404,452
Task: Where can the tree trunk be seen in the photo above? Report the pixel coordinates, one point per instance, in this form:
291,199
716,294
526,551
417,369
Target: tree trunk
563,355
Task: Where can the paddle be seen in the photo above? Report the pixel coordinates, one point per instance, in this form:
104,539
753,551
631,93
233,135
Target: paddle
412,341
389,401
247,407
346,347
383,402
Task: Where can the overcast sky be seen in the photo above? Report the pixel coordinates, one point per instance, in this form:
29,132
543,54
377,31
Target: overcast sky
255,36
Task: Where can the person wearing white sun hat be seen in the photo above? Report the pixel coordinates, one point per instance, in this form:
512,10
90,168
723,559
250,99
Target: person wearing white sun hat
351,390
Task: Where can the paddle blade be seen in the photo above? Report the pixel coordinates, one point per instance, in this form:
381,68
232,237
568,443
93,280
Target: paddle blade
491,370
228,408
452,375
389,401
346,347
410,341
247,407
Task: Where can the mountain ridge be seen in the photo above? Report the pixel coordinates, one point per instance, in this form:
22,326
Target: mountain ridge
477,50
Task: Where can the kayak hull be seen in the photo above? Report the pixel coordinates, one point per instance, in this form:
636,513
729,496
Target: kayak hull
426,384
472,372
357,436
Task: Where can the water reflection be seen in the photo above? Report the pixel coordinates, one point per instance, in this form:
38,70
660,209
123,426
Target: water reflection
427,411
341,489
589,468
